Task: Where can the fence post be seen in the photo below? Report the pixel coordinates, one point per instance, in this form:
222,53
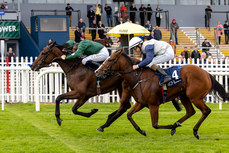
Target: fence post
25,78
2,52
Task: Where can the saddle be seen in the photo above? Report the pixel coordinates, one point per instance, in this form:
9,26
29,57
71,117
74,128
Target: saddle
174,72
93,65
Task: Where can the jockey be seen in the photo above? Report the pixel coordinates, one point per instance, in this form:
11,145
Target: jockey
92,50
154,52
69,47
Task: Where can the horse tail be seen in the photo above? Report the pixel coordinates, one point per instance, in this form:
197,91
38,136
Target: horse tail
216,86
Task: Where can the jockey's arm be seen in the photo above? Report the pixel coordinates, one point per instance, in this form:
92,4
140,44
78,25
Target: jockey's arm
149,49
78,53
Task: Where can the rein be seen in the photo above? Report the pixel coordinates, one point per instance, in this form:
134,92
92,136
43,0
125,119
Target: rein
107,70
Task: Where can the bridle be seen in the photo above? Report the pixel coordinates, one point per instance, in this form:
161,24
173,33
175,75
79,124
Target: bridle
108,68
46,55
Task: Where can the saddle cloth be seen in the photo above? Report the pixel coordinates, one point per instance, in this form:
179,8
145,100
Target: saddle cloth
174,72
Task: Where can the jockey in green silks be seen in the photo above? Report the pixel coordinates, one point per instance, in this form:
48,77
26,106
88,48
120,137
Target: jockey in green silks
92,50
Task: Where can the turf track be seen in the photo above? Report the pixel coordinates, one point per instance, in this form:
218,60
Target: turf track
24,130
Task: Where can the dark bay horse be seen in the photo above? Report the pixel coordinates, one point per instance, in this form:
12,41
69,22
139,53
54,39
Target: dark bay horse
196,84
82,82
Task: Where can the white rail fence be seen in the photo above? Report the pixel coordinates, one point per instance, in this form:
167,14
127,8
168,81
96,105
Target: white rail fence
44,86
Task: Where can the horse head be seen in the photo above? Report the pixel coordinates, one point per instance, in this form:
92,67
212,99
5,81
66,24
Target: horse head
110,64
47,55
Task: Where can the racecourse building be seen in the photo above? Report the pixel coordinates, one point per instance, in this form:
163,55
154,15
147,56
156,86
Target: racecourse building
188,13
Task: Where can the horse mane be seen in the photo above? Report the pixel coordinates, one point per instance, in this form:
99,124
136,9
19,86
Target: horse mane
132,60
75,61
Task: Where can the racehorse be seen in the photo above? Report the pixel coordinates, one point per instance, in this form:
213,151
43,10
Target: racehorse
82,82
196,84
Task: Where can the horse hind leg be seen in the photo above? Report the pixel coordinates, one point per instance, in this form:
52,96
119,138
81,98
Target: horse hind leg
190,111
124,105
205,112
137,107
115,115
78,104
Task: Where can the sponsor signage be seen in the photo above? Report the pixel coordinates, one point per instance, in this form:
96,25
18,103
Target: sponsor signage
9,30
2,12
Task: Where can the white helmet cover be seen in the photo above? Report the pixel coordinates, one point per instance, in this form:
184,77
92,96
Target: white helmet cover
134,42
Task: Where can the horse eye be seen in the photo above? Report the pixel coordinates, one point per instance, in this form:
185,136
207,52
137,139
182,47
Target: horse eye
109,60
43,53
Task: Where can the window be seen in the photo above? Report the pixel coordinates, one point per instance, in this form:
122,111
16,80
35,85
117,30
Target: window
153,2
138,2
91,1
188,2
36,1
166,2
53,24
55,1
203,2
8,1
74,1
109,2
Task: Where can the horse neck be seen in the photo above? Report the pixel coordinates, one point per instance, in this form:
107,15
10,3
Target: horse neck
125,66
65,66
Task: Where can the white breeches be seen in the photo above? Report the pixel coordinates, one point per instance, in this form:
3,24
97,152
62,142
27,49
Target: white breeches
102,55
168,55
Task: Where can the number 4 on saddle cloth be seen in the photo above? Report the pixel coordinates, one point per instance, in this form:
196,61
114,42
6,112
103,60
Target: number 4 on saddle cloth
176,79
175,75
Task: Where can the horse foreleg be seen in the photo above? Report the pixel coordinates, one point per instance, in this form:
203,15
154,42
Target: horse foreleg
189,112
124,105
205,112
154,118
137,107
78,104
69,95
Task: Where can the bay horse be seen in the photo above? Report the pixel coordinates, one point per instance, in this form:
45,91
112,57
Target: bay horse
82,82
196,84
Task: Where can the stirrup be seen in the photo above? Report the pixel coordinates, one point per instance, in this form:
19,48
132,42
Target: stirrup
165,81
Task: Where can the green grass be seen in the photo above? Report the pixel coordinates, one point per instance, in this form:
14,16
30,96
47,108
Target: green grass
24,130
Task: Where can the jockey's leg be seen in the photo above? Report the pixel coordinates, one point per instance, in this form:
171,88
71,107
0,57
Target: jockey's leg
168,55
167,78
102,55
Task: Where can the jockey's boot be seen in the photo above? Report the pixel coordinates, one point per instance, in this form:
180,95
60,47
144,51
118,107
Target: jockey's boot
167,78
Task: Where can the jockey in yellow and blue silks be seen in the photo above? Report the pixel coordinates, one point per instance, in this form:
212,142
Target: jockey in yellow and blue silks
92,50
154,52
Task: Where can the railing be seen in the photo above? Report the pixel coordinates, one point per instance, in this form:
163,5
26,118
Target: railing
55,12
216,36
197,36
22,81
217,48
166,15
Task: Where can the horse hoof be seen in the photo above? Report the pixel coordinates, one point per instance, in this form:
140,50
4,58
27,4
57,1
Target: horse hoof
94,110
59,121
100,129
173,131
178,124
143,132
196,134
